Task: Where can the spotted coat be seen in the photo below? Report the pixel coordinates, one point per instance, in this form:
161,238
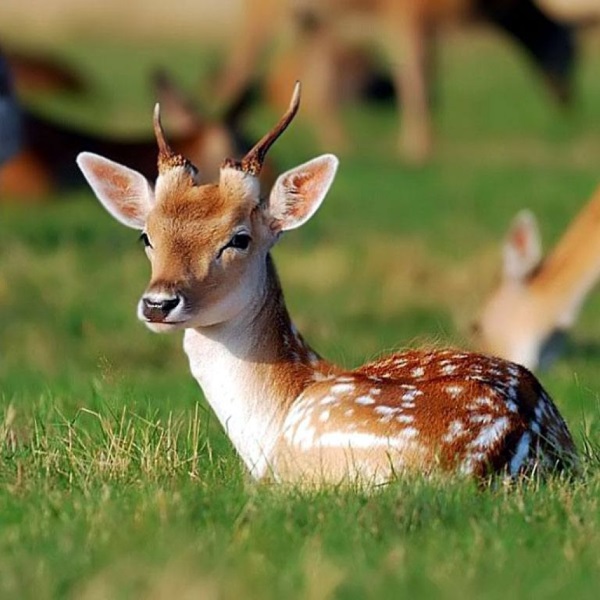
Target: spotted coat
421,410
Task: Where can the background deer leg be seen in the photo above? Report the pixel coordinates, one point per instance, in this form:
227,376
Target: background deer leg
407,45
258,29
320,89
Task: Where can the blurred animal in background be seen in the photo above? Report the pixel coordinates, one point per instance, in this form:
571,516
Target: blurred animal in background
539,298
11,134
357,73
581,12
46,161
405,30
35,73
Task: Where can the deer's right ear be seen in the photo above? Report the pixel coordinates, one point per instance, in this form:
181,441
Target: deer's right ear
126,194
522,251
298,193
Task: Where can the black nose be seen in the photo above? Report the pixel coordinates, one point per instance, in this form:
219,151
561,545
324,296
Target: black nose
158,308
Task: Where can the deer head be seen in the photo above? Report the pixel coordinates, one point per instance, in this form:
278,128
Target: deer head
207,243
510,323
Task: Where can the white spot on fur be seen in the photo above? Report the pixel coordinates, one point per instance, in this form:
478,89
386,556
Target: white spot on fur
318,376
296,414
471,461
481,418
410,395
408,433
513,370
405,418
489,436
455,429
364,400
374,391
328,400
418,372
386,410
539,412
313,358
304,435
521,453
324,416
349,412
344,439
512,406
454,390
342,388
448,369
485,401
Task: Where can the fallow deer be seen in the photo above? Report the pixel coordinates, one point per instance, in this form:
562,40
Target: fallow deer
46,161
292,415
539,298
404,30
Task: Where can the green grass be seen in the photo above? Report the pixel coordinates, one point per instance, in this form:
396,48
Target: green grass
116,481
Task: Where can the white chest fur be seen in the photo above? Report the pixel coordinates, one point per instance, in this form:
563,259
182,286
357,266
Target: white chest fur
238,394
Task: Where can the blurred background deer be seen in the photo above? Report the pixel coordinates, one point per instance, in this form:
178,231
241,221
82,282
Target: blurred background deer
45,161
341,49
317,33
540,297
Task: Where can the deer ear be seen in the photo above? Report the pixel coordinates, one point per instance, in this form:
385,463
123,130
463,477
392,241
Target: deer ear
522,252
298,193
126,194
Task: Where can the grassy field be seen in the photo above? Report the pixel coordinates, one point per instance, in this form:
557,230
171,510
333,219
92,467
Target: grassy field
115,479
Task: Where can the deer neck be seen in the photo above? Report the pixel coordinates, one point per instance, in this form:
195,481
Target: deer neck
251,369
573,267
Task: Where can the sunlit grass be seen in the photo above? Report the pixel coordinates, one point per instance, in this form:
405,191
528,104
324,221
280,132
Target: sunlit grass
117,482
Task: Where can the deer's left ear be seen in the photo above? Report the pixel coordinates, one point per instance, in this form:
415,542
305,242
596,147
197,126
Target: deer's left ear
298,193
126,194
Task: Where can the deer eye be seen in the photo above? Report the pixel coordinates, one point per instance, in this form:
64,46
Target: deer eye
240,241
145,240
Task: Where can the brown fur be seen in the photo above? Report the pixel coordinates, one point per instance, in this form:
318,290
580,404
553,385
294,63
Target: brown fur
289,412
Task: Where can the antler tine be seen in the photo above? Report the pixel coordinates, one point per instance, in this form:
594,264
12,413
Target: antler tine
163,146
253,161
167,158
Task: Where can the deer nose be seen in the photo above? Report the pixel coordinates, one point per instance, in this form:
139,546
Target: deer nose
157,307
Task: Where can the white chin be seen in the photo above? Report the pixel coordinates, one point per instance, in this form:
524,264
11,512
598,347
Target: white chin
164,327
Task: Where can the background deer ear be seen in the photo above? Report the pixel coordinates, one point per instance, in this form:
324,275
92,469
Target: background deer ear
176,105
522,251
126,194
298,193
